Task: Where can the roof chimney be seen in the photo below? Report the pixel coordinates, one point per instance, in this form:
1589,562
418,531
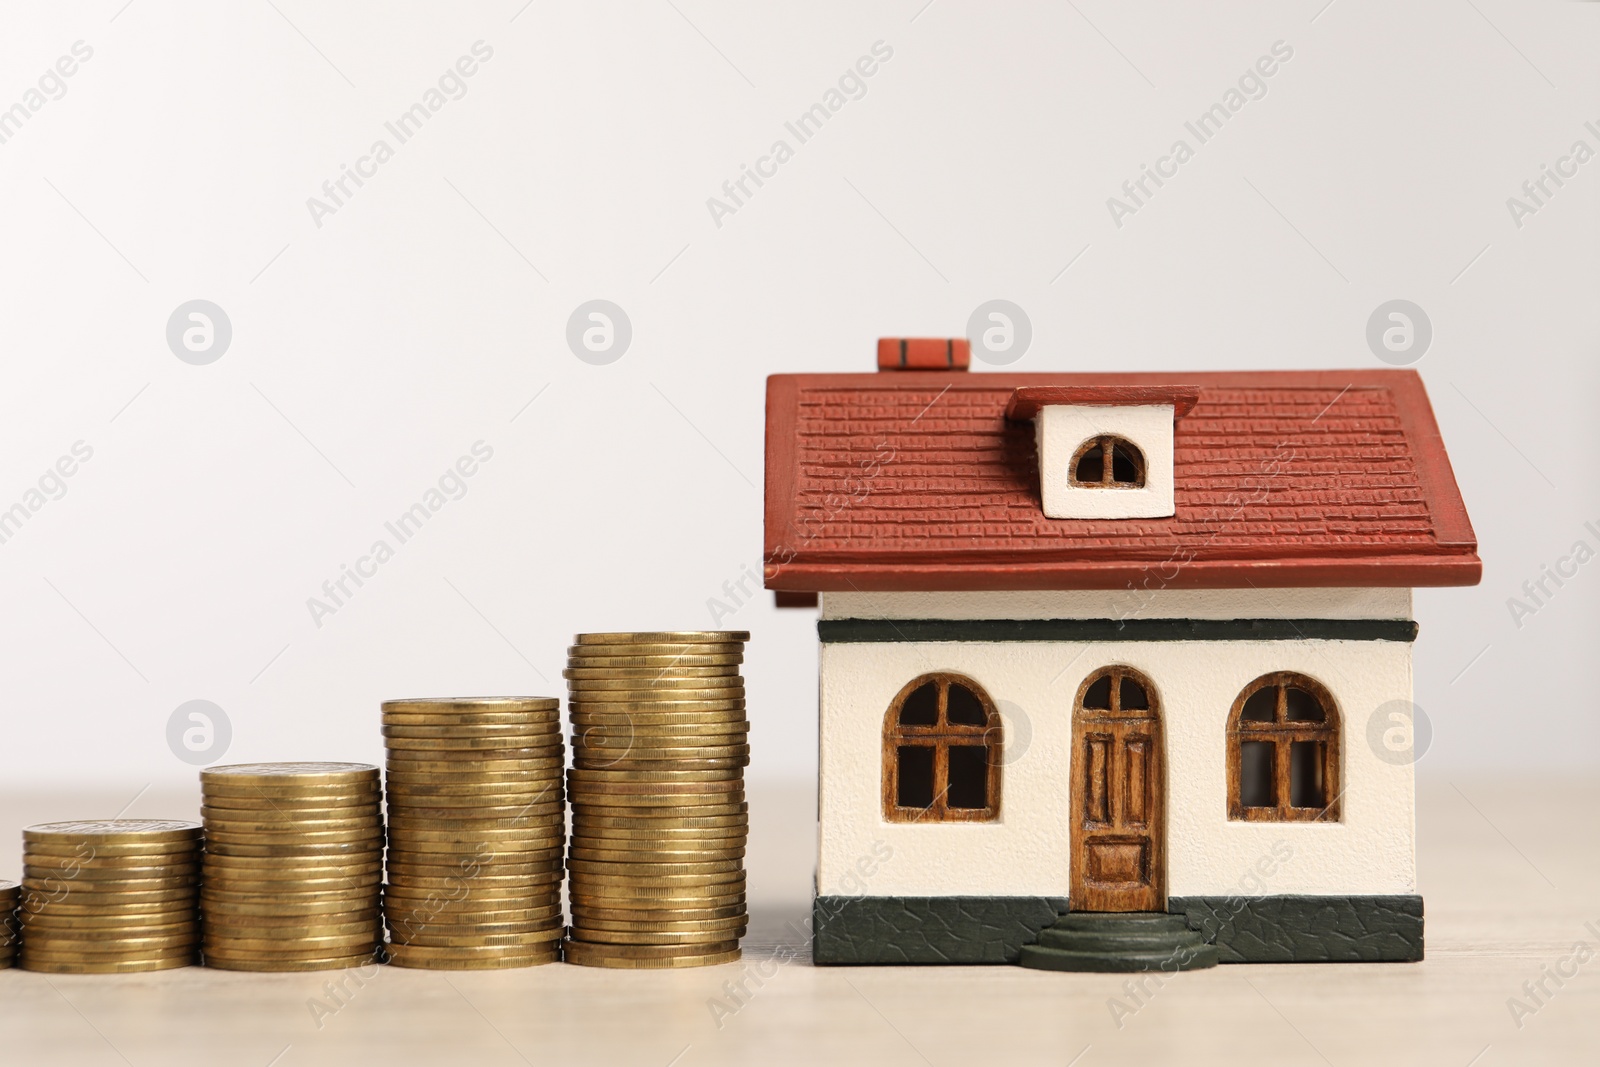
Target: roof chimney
924,353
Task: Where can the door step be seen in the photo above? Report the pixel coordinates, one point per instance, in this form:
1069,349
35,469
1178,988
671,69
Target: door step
1119,941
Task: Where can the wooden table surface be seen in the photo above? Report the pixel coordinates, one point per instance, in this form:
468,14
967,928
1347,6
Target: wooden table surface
1509,892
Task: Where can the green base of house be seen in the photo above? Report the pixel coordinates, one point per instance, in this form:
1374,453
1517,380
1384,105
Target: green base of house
1277,929
896,930
1299,929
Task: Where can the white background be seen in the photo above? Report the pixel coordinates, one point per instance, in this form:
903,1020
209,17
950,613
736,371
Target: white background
426,313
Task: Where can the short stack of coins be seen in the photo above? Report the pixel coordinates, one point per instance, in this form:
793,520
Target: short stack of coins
111,896
477,820
293,865
10,895
655,866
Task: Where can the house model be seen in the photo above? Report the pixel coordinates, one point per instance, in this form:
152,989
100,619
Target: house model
1112,665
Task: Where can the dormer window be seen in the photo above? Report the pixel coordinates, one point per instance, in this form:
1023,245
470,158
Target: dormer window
1108,462
1105,452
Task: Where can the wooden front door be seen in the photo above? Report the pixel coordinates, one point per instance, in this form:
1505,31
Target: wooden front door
1118,811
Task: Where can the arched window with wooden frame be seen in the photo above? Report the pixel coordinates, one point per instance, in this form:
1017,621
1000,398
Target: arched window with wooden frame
941,752
1108,462
1283,751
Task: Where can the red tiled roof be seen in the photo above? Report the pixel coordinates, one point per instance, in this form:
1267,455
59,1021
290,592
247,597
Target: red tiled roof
917,481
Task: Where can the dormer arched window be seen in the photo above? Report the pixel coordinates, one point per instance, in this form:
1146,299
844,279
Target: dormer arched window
1108,462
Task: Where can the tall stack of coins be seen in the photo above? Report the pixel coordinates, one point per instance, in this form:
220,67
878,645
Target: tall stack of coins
10,894
656,861
293,865
110,896
476,825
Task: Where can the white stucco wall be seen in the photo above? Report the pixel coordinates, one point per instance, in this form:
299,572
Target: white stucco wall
1261,603
1061,429
1371,850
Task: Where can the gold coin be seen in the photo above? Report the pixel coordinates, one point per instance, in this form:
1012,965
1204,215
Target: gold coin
663,637
588,836
528,851
417,866
109,863
684,735
418,874
621,896
343,942
657,648
293,929
230,819
643,795
471,705
531,795
300,842
40,905
674,809
291,965
655,777
632,860
667,926
473,891
296,773
613,685
501,747
362,847
335,805
528,736
39,959
583,784
498,963
491,929
468,951
52,938
589,874
111,922
441,749
468,835
109,855
649,913
585,955
654,871
605,936
188,959
609,763
590,668
308,878
631,802
291,892
608,687
404,822
456,766
515,781
231,911
533,885
139,880
635,745
270,959
112,832
99,942
659,951
457,807
431,939
35,896
544,721
669,823
407,920
665,713
646,749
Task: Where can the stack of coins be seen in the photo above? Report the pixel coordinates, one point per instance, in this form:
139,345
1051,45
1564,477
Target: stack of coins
656,861
110,896
10,894
476,826
293,865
